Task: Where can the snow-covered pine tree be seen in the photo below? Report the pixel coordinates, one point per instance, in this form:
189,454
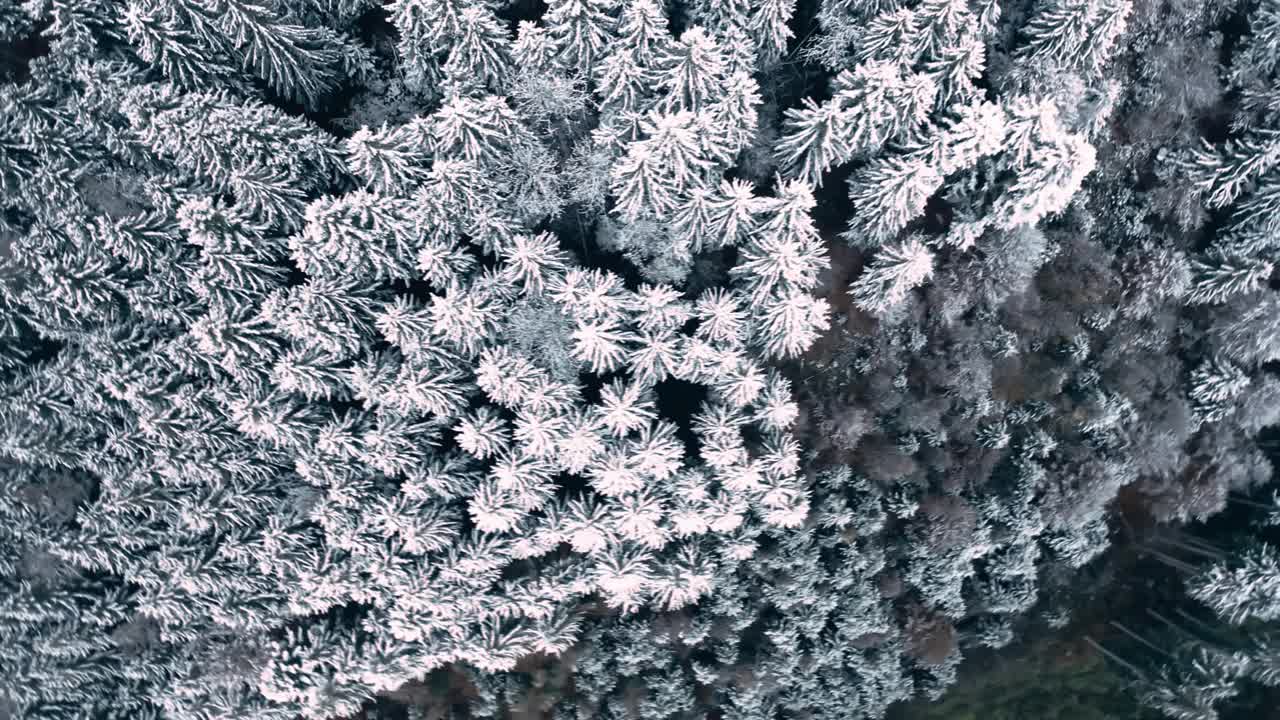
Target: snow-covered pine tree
894,272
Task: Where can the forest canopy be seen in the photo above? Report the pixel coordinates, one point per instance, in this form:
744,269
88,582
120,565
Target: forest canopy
621,358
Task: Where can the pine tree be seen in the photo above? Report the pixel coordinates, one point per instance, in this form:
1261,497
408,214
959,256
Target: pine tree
642,32
871,105
581,29
895,271
714,218
939,21
425,28
956,69
358,234
816,139
334,316
892,36
161,40
1257,56
299,62
786,252
791,322
264,158
1250,333
655,171
692,72
976,130
1058,165
1222,175
770,27
1214,387
601,344
476,130
1076,33
736,114
1254,217
480,50
1222,277
1244,592
888,194
389,160
626,85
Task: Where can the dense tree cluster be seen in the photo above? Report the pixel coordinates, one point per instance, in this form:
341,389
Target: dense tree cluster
758,356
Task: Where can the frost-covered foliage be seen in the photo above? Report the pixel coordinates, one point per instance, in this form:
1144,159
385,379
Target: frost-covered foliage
1250,591
345,342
